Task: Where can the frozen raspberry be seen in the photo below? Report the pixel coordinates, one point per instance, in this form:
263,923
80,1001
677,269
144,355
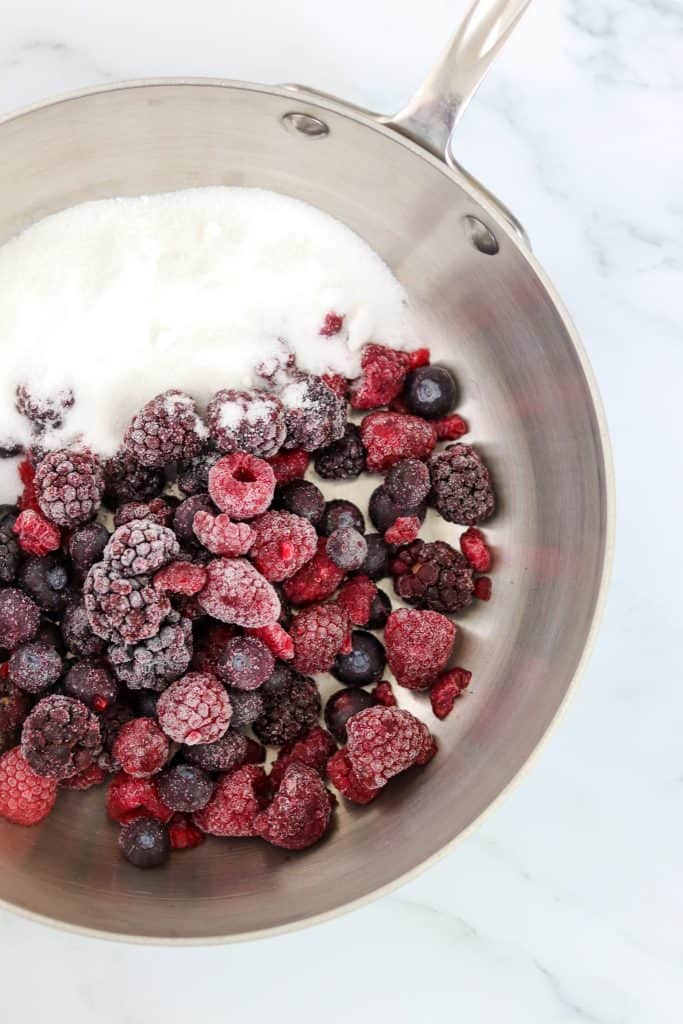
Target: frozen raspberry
19,618
288,466
301,498
445,690
220,536
461,485
418,646
482,588
154,663
335,382
344,779
235,592
277,640
122,610
314,415
384,694
316,580
384,510
389,437
245,663
242,485
356,597
380,610
181,578
221,756
78,637
383,373
376,564
111,720
14,707
403,530
184,515
44,410
25,797
91,683
300,813
343,459
194,709
450,428
193,476
142,749
145,843
475,549
9,548
433,575
69,486
430,392
165,430
140,547
91,776
342,706
35,534
129,798
35,667
347,548
407,483
60,737
283,544
319,633
247,421
183,835
86,545
383,742
47,581
291,707
127,480
313,750
332,324
340,514
236,803
27,475
159,510
247,705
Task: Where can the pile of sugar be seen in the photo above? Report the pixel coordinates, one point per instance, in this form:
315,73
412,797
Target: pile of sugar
120,299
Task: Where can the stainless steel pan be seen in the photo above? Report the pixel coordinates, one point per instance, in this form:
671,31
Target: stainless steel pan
526,387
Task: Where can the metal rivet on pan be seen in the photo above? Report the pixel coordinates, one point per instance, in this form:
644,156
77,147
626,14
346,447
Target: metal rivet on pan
481,237
305,124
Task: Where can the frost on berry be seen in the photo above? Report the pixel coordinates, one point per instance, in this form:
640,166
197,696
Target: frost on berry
141,748
313,750
445,690
356,597
165,430
300,812
238,799
277,640
141,546
314,415
475,549
342,776
247,421
389,437
462,491
69,486
123,610
241,485
154,663
194,709
418,646
35,534
236,592
403,530
128,798
288,466
383,374
25,797
383,742
219,535
318,633
60,737
384,694
316,580
181,578
283,543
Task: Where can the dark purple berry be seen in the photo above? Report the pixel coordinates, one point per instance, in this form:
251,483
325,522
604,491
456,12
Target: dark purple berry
245,663
343,459
302,498
384,511
430,392
247,705
69,486
10,554
126,480
347,548
183,517
91,683
85,546
47,581
165,430
364,664
222,756
146,701
341,513
19,618
462,491
185,787
380,610
193,476
79,638
407,483
341,706
144,843
14,707
51,634
61,737
35,667
376,564
291,706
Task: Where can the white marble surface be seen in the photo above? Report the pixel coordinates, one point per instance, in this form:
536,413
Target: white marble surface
566,904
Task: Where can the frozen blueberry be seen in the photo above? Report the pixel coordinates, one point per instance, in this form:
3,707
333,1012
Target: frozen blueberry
407,482
46,580
35,667
302,498
85,546
144,842
376,564
341,706
245,663
185,787
92,683
430,392
347,548
365,662
340,513
380,610
385,510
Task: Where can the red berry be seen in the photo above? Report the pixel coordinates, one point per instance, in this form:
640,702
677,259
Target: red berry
343,778
316,580
25,797
335,382
129,798
332,324
475,549
383,742
181,578
194,709
220,536
300,812
288,466
313,750
384,694
389,437
319,633
418,646
93,775
482,588
255,753
183,835
447,687
27,474
450,428
383,374
403,530
35,534
237,800
277,640
141,748
242,485
356,597
235,592
419,357
283,543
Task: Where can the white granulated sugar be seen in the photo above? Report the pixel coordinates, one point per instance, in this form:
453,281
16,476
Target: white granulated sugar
122,299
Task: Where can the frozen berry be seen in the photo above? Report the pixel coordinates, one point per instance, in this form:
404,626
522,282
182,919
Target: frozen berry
60,737
14,707
241,485
183,834
193,476
86,545
194,709
236,593
332,324
343,778
247,705
245,663
445,690
209,640
319,633
154,663
247,421
35,534
347,548
222,755
475,549
384,694
383,742
184,516
79,638
111,720
313,750
389,437
92,683
363,664
237,801
91,776
45,409
276,638
383,373
140,546
343,459
159,510
288,466
128,798
146,703
283,543
181,578
144,843
404,530
300,812
356,597
433,575
142,749
47,581
165,430
418,645
127,480
122,610
342,705
482,588
35,667
19,618
316,580
430,392
219,535
302,498
25,797
380,610
461,485
69,486
291,706
9,546
314,415
384,510
450,428
407,483
376,564
340,514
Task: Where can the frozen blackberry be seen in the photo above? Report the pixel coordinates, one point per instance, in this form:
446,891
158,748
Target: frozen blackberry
141,547
144,842
85,546
430,392
380,610
154,663
339,514
158,510
462,491
222,756
244,663
247,705
46,580
343,459
291,706
122,610
363,664
407,482
302,498
347,548
127,480
35,667
376,564
44,410
314,415
69,486
185,787
111,720
92,683
165,430
247,421
60,737
341,706
14,707
193,476
19,618
78,637
384,511
183,517
10,554
433,576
